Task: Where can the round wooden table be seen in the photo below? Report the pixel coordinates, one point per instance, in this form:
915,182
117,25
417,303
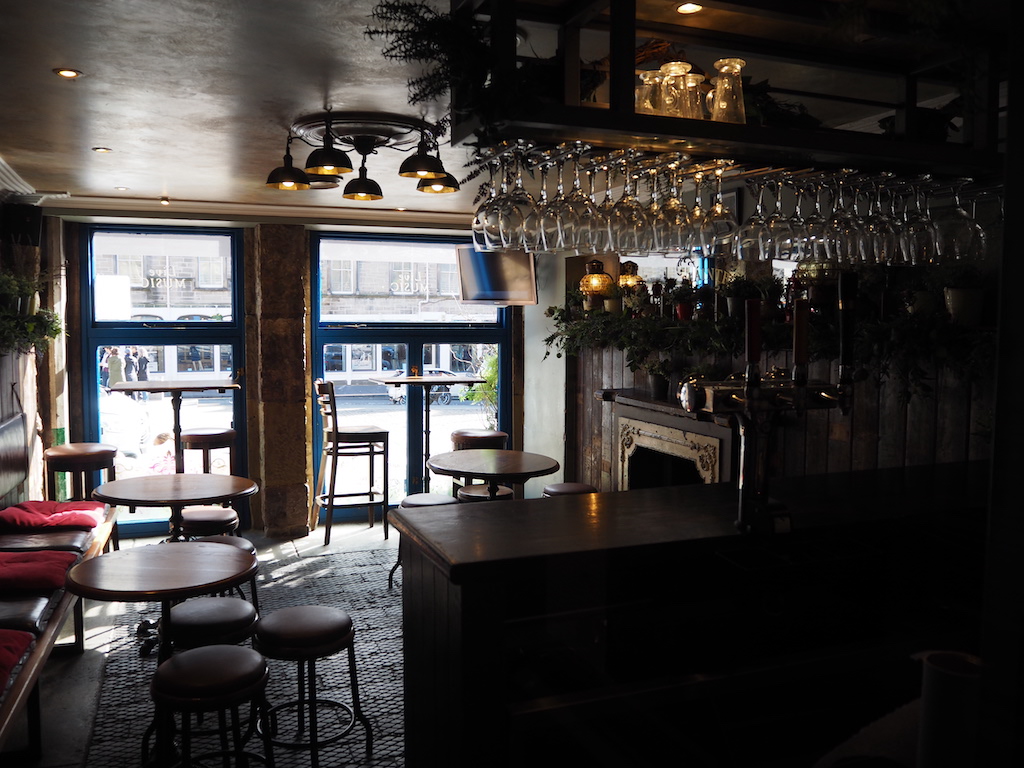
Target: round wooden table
162,572
166,573
493,465
175,491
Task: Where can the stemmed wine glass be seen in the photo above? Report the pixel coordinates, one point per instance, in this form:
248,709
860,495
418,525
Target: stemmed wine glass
658,235
780,234
601,229
675,214
955,229
529,236
918,238
719,225
509,215
751,241
882,239
844,238
579,237
628,223
816,226
797,222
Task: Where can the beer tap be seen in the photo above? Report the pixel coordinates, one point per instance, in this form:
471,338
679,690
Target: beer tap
755,404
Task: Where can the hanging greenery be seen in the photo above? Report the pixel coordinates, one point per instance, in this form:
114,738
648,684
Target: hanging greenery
24,327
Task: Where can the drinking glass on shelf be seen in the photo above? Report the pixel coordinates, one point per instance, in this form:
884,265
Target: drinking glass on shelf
694,98
725,100
751,242
673,88
648,93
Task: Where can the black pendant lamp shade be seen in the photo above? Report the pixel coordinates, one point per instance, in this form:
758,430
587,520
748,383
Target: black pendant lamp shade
362,187
328,160
440,186
422,165
288,176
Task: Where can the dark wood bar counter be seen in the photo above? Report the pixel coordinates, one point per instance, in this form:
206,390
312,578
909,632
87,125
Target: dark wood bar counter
606,627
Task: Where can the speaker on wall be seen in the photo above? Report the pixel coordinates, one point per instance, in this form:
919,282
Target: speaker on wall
21,224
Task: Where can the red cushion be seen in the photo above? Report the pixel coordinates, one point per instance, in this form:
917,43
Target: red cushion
34,571
13,644
51,514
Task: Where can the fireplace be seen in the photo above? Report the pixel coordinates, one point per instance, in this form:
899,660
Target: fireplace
653,455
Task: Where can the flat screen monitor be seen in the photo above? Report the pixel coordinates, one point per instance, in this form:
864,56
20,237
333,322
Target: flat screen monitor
503,278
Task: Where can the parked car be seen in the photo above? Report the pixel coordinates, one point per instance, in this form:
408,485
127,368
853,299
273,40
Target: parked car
439,393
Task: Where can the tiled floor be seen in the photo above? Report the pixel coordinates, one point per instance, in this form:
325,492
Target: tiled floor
71,683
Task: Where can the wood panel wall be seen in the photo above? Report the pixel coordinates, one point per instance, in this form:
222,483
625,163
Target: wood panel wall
880,431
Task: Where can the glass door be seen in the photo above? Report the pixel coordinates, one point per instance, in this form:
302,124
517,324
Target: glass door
388,309
159,305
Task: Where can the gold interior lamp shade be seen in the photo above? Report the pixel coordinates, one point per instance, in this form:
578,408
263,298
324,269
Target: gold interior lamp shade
596,283
628,277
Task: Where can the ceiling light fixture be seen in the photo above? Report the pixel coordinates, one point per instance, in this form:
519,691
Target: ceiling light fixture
102,150
165,201
287,176
67,73
689,8
364,133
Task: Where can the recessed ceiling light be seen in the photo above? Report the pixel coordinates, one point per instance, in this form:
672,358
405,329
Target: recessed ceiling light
689,8
122,189
102,150
67,73
165,201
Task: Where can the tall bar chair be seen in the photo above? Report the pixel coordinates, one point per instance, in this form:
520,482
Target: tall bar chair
341,443
210,520
80,462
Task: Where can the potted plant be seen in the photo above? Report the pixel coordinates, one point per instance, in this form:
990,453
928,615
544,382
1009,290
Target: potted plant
682,299
23,325
736,290
658,373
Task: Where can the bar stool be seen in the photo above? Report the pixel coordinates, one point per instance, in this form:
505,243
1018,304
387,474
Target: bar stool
207,439
345,442
81,461
213,678
567,489
412,502
480,492
246,546
215,620
463,439
208,520
305,633
478,438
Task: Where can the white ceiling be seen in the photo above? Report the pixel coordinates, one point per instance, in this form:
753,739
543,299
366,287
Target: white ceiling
195,99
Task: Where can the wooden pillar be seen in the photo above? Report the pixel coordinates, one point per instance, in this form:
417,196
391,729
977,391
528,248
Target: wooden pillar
277,382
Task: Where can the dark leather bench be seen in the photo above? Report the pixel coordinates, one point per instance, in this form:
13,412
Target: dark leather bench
31,620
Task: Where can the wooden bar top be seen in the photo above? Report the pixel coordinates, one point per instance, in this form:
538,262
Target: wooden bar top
471,540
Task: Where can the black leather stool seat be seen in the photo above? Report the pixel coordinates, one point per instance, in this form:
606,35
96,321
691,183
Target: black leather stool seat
304,632
478,438
214,678
208,520
481,492
246,546
212,621
209,678
567,489
427,500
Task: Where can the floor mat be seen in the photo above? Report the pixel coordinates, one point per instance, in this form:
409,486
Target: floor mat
354,581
